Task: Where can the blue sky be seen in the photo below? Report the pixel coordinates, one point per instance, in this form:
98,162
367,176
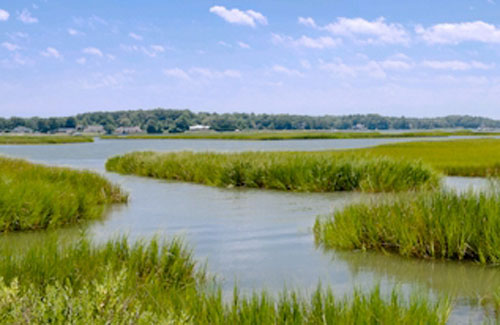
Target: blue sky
419,58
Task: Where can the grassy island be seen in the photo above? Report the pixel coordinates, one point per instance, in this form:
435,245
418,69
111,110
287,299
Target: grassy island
290,171
34,197
431,224
42,139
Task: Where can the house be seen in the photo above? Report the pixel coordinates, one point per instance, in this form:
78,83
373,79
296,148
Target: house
21,130
123,130
94,129
199,127
68,131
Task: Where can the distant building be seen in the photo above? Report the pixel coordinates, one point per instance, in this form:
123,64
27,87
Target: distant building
94,129
123,130
65,131
359,126
199,127
21,130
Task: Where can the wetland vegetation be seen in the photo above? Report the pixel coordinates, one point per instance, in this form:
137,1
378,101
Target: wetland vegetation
470,157
159,282
42,139
34,197
439,224
291,171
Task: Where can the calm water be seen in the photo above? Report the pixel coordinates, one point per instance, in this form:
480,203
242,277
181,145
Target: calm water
259,239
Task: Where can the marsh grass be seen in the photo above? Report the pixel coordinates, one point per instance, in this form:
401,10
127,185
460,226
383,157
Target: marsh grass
34,197
431,224
289,171
300,135
42,139
471,157
158,282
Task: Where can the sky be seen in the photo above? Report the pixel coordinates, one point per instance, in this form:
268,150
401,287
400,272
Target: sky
400,58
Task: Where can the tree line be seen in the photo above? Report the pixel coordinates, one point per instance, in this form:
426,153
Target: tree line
175,121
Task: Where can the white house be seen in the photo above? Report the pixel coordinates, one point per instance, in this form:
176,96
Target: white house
199,127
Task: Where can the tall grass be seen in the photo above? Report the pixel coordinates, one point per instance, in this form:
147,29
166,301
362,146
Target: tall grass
43,139
431,224
34,197
158,282
300,135
476,157
291,171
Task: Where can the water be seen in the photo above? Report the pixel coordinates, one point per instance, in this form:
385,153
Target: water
258,239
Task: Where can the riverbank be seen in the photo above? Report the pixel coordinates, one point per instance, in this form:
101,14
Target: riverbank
297,135
159,282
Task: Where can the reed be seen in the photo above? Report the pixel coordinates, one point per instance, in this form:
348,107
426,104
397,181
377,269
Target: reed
471,157
289,171
431,224
298,135
34,197
158,282
42,139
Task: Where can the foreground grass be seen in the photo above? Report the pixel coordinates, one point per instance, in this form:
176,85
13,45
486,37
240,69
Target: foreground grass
293,171
431,224
42,139
299,135
475,157
34,197
158,282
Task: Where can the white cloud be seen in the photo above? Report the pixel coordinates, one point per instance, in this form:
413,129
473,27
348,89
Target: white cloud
239,17
135,36
81,61
212,74
151,51
308,42
396,65
26,17
477,31
93,51
51,52
111,57
10,47
287,71
222,43
176,73
457,65
4,15
243,45
197,73
305,64
377,31
307,22
74,32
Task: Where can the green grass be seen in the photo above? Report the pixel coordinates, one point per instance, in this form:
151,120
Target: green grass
158,282
300,135
34,197
290,171
476,157
42,139
431,224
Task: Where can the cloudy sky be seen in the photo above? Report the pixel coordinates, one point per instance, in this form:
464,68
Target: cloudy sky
412,58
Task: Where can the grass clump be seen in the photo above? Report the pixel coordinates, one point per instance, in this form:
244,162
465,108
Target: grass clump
42,139
431,224
34,197
298,135
476,157
158,282
291,171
